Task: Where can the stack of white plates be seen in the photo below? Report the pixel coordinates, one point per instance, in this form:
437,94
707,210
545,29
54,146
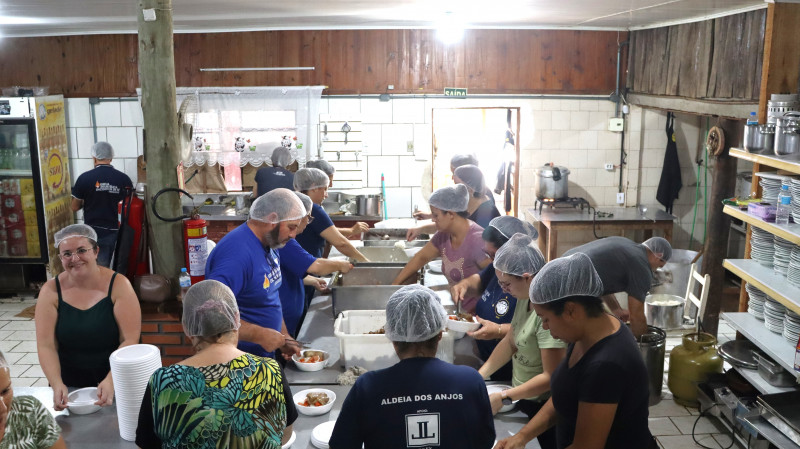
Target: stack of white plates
773,315
321,434
795,189
770,187
791,326
131,368
782,256
762,247
755,305
793,273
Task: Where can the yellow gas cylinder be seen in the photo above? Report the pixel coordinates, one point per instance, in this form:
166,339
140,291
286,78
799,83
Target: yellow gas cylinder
691,363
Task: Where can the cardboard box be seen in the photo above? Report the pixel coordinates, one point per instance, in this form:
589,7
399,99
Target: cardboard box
764,211
32,233
30,217
16,234
28,202
33,249
11,204
15,218
26,186
17,249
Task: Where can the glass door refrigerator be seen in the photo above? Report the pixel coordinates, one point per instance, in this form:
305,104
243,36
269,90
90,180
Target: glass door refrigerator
35,189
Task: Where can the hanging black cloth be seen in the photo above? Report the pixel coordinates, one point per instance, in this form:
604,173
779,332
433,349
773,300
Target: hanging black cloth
670,183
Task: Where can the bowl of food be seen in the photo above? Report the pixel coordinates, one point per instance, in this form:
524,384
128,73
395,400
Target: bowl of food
314,401
311,360
498,388
81,402
462,322
290,442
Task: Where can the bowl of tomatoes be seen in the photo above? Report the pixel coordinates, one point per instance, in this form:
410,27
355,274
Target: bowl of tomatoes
311,360
314,401
462,322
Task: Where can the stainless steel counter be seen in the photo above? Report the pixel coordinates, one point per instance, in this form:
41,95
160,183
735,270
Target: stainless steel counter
233,216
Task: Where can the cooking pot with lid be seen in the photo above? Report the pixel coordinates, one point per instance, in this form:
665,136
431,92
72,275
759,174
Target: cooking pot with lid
551,182
787,134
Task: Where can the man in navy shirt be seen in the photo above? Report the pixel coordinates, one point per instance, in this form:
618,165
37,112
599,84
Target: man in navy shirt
277,176
98,192
246,261
421,401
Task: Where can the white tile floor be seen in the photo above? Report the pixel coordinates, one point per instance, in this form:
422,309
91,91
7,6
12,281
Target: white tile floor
670,423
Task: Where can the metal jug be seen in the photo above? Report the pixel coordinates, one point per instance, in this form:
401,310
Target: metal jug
691,363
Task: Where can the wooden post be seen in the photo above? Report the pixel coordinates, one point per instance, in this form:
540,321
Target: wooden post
719,226
162,142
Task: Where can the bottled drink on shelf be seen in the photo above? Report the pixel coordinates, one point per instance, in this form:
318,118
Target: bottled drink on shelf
185,282
753,119
784,205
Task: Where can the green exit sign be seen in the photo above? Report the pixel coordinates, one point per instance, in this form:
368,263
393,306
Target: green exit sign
455,91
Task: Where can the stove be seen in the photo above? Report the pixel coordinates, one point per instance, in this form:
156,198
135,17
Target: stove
561,202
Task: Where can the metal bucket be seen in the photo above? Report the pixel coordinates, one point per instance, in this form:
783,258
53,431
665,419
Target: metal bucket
664,311
653,345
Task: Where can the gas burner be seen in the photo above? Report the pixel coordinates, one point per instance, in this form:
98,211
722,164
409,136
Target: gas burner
561,202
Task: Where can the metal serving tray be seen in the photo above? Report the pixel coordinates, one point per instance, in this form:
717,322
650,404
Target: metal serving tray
361,297
782,410
393,243
369,274
384,254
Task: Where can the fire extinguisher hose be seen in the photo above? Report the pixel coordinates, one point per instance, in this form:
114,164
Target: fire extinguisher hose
165,190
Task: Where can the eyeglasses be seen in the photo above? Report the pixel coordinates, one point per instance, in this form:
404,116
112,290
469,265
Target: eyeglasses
66,255
310,218
503,284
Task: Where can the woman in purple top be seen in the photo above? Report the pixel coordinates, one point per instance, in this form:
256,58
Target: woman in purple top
457,240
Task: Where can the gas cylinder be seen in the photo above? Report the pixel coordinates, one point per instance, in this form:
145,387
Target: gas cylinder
690,363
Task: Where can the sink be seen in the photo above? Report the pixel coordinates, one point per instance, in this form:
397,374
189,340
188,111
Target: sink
212,209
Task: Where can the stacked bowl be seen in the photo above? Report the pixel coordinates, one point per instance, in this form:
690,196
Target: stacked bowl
794,188
791,326
321,434
793,273
762,247
770,187
131,368
782,256
773,315
755,305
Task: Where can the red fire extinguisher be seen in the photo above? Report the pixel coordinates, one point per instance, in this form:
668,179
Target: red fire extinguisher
195,238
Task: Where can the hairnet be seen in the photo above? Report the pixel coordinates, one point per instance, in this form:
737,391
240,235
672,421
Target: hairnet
471,177
451,198
660,247
281,157
518,256
414,314
310,178
323,165
102,151
209,309
463,159
75,230
564,277
508,226
276,206
307,203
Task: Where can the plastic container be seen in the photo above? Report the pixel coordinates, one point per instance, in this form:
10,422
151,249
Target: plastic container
185,282
784,206
374,351
773,373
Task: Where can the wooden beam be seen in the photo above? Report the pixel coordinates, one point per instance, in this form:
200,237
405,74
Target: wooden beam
728,109
780,69
162,142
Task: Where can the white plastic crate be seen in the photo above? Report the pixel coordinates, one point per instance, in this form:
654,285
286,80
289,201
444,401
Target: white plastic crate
374,351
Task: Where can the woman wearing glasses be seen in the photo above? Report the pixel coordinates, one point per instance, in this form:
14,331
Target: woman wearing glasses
82,316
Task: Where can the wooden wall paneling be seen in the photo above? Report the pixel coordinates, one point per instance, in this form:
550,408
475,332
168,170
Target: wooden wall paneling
696,60
673,59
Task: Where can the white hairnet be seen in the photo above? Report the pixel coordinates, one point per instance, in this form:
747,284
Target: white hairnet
565,277
414,314
276,206
518,256
75,230
323,165
471,177
507,226
102,151
451,198
463,159
310,178
660,247
307,203
209,309
281,157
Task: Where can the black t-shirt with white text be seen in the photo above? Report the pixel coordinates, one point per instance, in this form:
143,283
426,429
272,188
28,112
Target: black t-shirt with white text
101,189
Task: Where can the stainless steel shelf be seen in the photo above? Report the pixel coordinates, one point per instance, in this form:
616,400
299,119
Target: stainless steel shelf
769,432
774,345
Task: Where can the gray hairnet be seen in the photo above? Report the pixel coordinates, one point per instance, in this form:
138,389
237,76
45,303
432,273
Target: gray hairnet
565,277
75,230
660,247
323,165
507,226
310,178
414,314
451,198
471,177
276,206
102,151
307,203
281,157
209,309
463,159
518,256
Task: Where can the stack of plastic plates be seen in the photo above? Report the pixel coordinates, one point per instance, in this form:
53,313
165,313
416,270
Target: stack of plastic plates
773,315
795,189
782,256
793,273
762,247
321,434
791,326
131,368
770,187
755,305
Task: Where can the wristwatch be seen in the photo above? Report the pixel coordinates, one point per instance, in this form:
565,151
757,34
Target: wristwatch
505,398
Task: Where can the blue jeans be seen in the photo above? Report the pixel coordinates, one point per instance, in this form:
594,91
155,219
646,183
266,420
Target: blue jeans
106,240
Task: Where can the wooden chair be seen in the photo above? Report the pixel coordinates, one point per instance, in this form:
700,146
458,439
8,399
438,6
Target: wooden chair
699,303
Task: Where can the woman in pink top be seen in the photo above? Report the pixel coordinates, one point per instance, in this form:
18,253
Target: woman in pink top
457,240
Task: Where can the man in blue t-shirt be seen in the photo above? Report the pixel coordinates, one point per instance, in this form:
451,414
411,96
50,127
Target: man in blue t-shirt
246,261
99,191
277,176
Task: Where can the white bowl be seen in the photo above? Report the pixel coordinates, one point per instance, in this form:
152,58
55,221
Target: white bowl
435,266
315,366
462,326
291,439
300,397
498,388
81,402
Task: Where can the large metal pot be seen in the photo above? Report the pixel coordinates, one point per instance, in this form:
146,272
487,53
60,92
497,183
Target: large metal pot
551,182
664,311
368,205
673,278
787,134
653,345
759,138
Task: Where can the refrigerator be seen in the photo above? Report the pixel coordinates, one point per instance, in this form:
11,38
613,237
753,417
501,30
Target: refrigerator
35,189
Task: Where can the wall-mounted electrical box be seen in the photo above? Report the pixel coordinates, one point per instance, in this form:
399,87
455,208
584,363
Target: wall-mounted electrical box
616,124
